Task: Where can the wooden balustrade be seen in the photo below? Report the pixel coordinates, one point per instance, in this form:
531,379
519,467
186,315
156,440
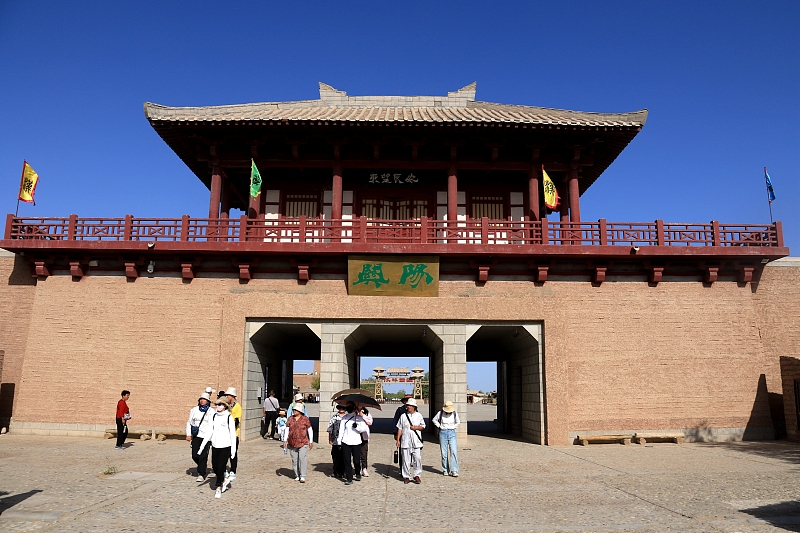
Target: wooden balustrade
426,231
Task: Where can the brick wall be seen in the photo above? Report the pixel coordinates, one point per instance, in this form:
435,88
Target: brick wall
777,306
620,356
790,374
16,294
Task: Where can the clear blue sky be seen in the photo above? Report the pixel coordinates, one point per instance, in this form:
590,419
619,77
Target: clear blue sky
721,81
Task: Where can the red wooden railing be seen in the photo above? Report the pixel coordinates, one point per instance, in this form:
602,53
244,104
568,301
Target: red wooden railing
424,231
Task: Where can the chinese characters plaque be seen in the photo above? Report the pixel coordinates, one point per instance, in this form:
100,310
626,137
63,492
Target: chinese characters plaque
393,275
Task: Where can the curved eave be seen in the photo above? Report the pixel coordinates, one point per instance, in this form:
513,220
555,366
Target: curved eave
175,126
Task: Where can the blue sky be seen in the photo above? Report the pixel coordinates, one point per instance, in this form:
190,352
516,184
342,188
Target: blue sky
721,81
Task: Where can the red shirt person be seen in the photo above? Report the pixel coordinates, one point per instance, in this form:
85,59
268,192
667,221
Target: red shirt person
299,441
123,415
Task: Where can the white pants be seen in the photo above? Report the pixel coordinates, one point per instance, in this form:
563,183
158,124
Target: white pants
283,433
406,457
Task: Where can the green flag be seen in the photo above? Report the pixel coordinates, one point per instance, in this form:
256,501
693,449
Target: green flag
255,180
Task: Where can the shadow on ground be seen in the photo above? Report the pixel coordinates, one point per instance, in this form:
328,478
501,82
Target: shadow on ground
781,450
7,502
784,515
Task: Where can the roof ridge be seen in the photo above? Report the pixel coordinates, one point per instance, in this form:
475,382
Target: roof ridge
478,104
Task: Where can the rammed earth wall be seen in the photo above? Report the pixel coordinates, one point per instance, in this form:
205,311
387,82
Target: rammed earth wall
16,302
621,356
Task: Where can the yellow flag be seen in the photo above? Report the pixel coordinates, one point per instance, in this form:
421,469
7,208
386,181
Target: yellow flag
27,186
550,192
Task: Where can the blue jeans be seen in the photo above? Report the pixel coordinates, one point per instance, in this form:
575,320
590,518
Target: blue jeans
447,442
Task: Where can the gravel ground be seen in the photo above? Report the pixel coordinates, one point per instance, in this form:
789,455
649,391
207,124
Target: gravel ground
66,484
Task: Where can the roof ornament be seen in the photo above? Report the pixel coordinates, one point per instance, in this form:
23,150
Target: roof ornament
329,94
467,92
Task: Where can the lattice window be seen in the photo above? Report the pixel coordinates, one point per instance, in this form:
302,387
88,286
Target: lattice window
420,209
297,205
402,210
393,209
369,208
386,210
488,206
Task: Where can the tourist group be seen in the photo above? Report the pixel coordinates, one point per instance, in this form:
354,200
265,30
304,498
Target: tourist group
348,431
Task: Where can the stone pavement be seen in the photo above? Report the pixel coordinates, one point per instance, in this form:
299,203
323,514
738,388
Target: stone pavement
58,484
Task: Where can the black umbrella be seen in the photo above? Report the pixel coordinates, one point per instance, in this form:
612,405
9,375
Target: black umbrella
361,400
365,392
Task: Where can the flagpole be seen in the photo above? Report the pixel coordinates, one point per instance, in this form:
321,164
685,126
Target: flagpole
24,162
769,201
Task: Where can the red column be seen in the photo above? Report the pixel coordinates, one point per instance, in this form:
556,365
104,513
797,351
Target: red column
574,197
254,207
336,202
216,191
563,206
226,199
533,193
452,193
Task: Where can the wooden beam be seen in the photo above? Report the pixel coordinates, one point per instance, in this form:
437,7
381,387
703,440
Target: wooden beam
131,270
539,271
187,271
391,163
77,269
710,273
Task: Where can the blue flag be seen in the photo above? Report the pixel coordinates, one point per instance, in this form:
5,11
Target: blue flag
769,187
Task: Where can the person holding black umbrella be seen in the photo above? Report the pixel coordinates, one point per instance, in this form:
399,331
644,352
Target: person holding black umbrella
334,430
350,430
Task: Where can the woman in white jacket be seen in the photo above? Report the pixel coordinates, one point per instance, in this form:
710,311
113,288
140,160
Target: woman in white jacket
223,442
198,427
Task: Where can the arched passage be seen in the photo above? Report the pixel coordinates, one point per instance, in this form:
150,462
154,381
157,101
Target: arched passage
271,350
443,344
517,350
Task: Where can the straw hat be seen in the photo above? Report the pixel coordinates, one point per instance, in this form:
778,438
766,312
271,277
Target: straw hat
448,407
223,400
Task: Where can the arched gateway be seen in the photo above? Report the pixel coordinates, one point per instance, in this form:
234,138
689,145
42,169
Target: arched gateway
397,226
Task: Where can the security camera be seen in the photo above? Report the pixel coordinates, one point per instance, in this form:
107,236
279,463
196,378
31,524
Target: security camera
151,245
151,267
634,249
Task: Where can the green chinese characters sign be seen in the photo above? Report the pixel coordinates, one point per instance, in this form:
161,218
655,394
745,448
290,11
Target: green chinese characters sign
393,275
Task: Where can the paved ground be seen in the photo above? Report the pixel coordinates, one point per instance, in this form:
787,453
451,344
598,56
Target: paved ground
58,484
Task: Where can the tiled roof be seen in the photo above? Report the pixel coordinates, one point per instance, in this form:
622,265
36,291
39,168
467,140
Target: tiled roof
337,106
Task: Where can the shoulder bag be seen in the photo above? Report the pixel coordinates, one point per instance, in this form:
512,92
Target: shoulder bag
196,429
417,433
